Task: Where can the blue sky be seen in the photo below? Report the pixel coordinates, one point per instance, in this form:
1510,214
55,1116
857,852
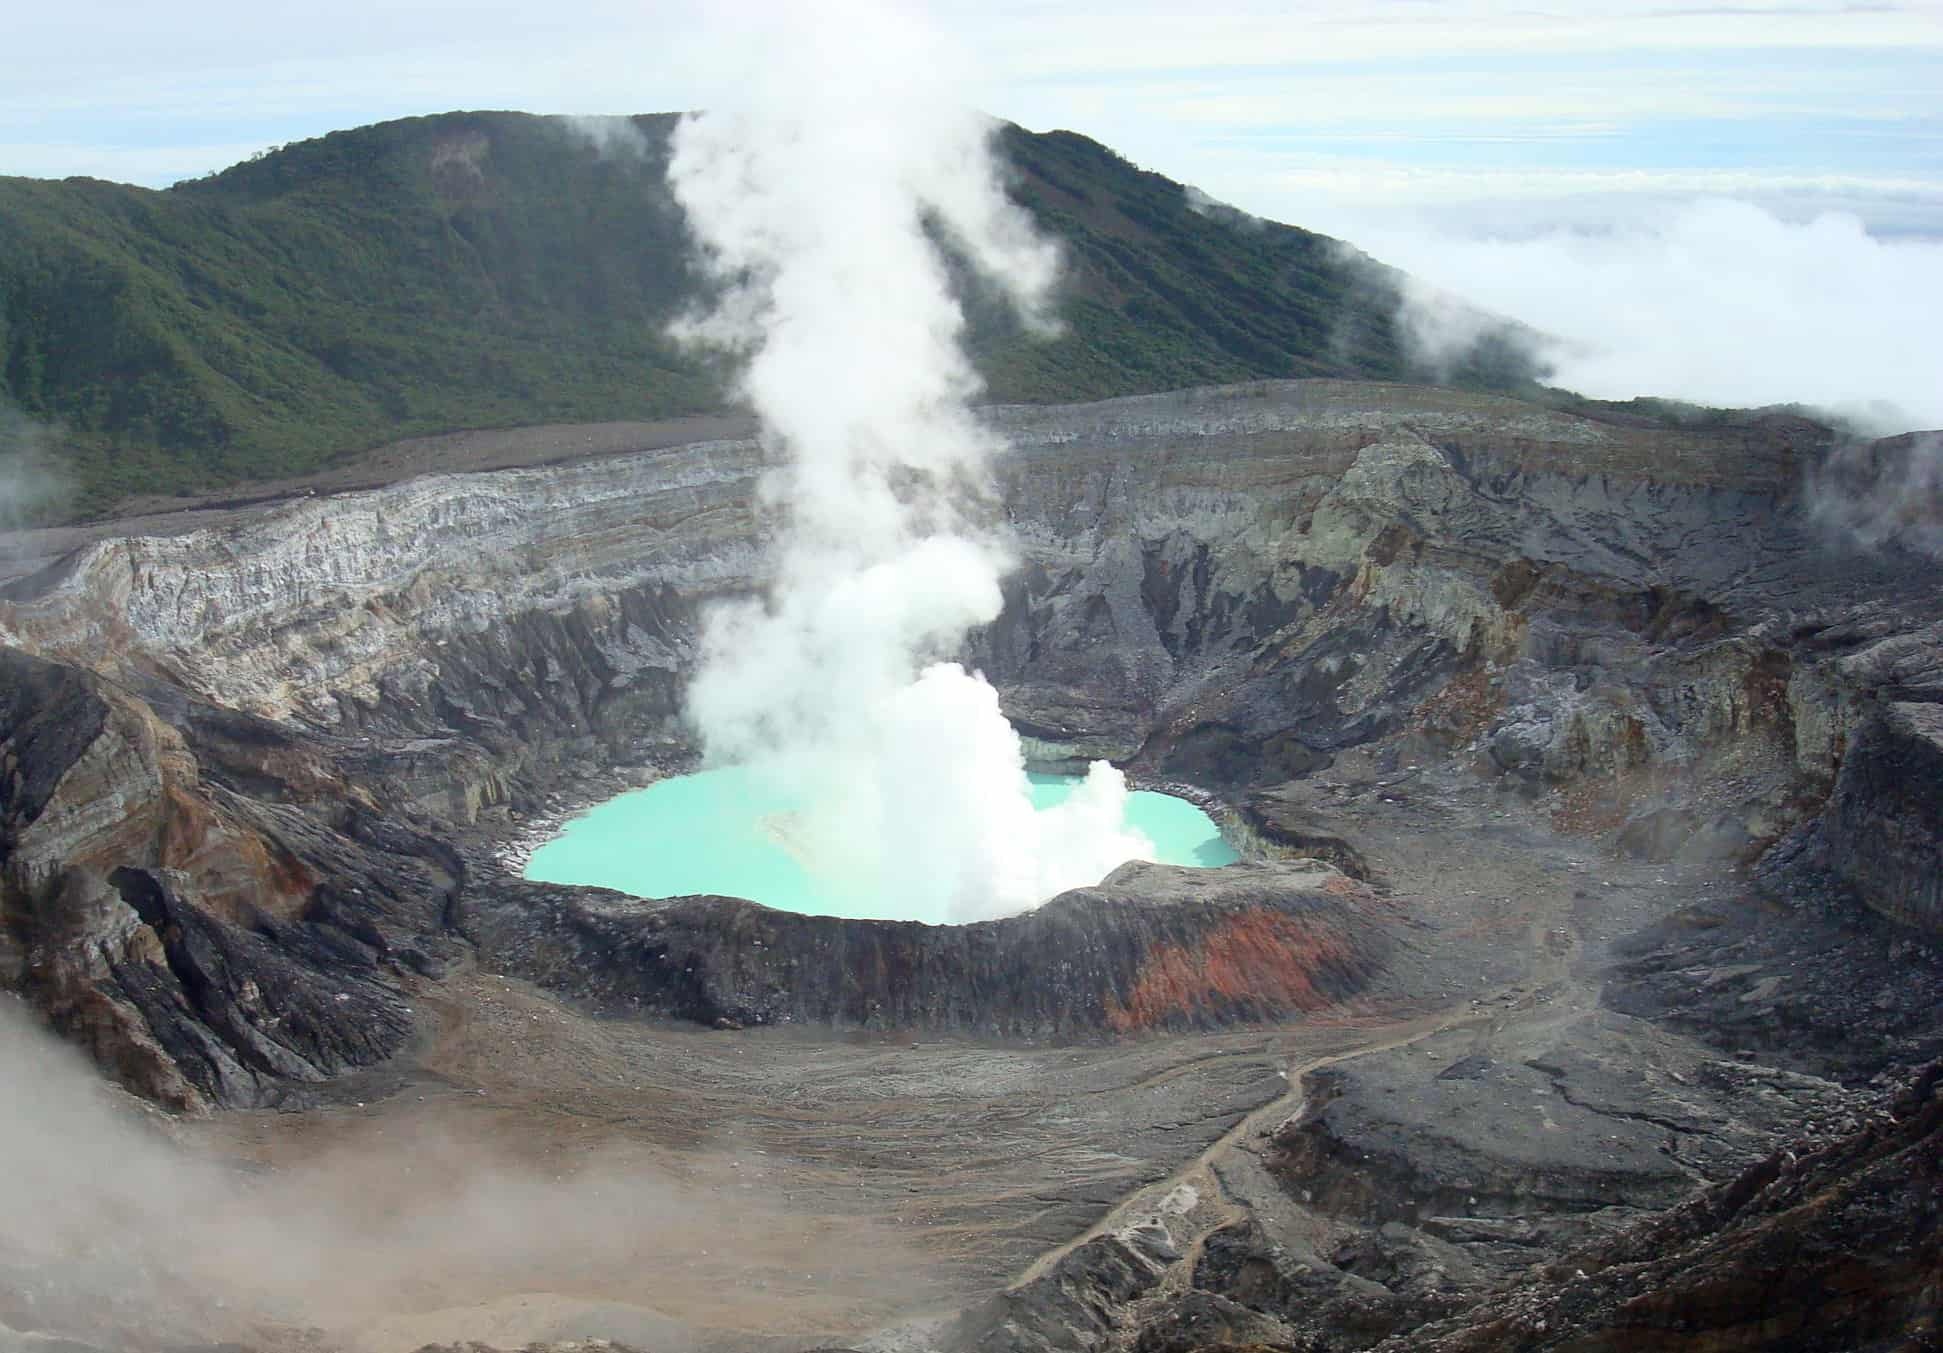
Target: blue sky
1560,162
1439,106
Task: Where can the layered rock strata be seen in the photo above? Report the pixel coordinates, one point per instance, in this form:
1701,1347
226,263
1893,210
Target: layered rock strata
201,898
1642,625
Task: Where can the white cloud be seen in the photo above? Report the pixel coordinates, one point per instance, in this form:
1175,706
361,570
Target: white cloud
1399,100
1394,184
1131,37
1362,200
1717,302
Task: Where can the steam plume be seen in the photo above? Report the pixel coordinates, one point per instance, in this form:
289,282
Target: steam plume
821,199
1884,493
31,486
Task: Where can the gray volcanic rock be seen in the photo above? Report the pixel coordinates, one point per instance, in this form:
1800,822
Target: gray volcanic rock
1202,1320
1075,1305
480,631
255,780
1601,1111
1815,1246
1152,947
1241,1265
1826,1242
1883,826
1817,989
1415,1180
1356,551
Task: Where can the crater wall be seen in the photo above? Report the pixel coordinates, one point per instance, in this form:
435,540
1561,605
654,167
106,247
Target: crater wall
299,727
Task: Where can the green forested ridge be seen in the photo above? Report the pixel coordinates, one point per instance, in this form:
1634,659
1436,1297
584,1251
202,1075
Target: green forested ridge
474,270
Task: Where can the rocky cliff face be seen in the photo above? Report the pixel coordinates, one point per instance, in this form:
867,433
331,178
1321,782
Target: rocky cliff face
1231,587
1824,1243
1882,832
1283,581
201,898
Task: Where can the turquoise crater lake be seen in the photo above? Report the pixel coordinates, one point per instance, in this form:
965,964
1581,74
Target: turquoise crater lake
713,832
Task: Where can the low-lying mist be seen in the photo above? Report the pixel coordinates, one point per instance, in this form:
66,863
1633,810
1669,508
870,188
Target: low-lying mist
381,1232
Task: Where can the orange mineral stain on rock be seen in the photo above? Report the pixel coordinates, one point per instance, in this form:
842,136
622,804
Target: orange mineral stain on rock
1263,961
238,873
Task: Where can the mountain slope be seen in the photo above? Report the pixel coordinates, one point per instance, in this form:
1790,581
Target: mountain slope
493,269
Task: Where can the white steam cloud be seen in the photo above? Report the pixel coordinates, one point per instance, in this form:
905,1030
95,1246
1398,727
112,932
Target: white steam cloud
821,196
613,136
32,485
1887,492
442,1219
1714,302
1214,209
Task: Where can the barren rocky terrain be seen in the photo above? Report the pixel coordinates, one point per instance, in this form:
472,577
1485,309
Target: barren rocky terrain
1576,989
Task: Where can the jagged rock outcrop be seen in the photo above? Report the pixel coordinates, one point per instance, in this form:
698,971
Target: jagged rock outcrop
1605,1113
200,898
1884,822
1815,1246
461,604
1076,1304
1829,1241
1818,987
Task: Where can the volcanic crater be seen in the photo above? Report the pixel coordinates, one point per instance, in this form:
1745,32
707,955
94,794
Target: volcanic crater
1555,743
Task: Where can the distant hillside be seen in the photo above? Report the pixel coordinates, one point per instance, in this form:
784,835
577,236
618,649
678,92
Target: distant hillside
492,269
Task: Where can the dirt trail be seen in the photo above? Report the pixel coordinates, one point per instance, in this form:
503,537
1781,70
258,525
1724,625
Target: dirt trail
1150,1201
1548,991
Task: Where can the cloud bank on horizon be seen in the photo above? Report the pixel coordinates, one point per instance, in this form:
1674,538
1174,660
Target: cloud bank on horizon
1714,302
1335,103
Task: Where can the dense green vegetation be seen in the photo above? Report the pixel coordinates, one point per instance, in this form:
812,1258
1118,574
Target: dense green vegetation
492,269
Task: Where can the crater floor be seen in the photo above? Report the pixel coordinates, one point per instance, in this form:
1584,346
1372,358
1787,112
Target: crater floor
780,1187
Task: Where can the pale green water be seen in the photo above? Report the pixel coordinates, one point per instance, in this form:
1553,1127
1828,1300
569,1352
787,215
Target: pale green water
704,833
